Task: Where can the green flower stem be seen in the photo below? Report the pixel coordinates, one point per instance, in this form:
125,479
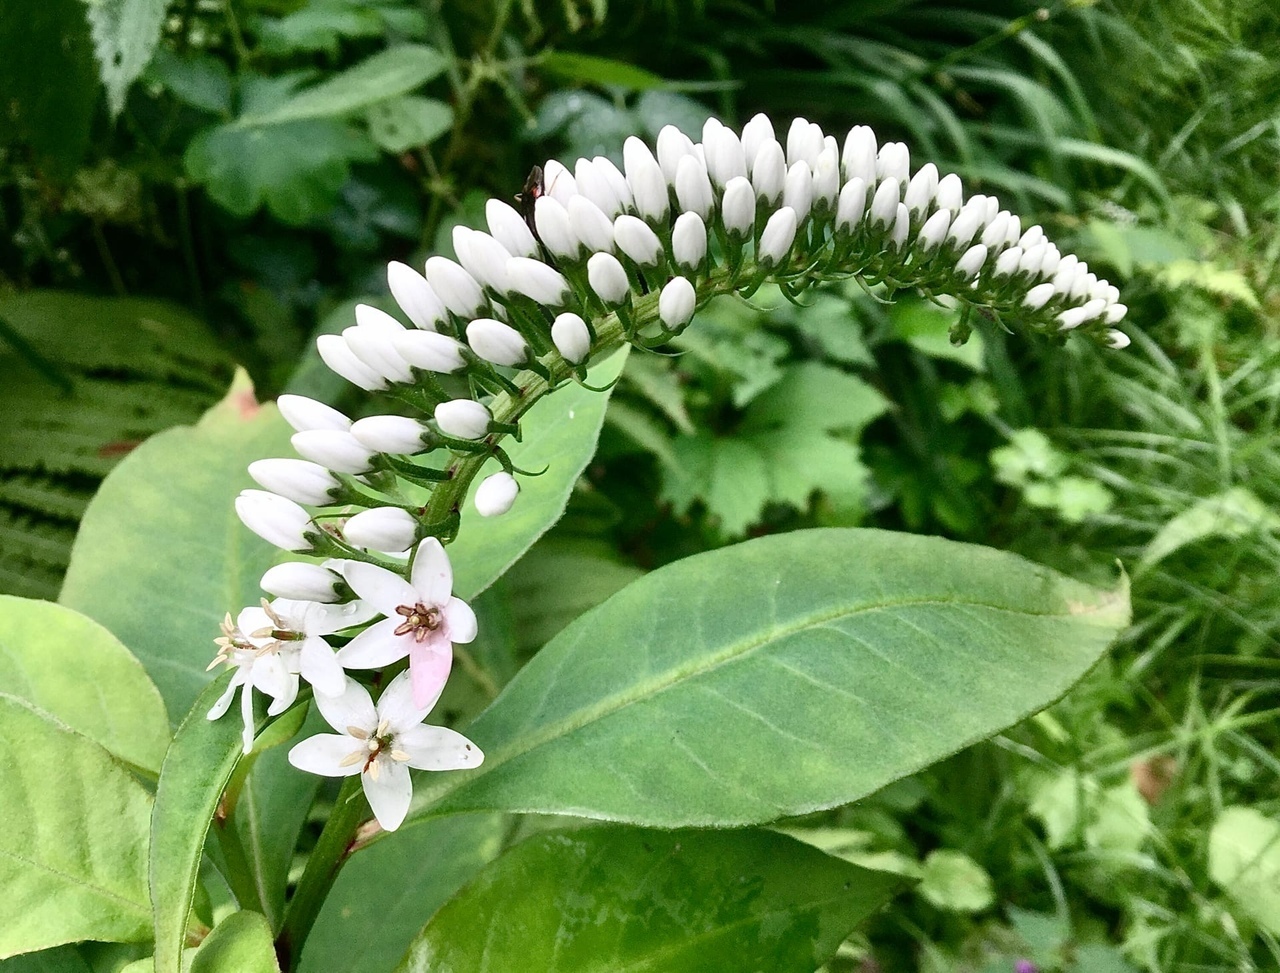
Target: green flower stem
326,860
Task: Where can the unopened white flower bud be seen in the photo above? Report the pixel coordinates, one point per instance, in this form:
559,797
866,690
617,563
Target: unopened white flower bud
709,129
1115,313
725,157
616,180
950,193
303,413
387,529
689,242
1065,276
463,419
333,448
1013,233
301,582
497,343
693,187
496,494
804,142
483,257
1072,318
797,192
539,282
1034,235
971,262
776,238
1117,339
275,519
340,359
993,236
594,186
552,221
559,182
1038,296
755,134
635,238
429,351
644,176
964,226
1029,262
738,208
677,303
415,296
1050,262
894,162
901,228
851,205
389,434
1101,288
884,205
920,190
572,337
1083,282
590,225
769,173
372,341
608,278
1007,262
509,228
296,479
858,157
991,209
934,230
826,179
460,291
673,145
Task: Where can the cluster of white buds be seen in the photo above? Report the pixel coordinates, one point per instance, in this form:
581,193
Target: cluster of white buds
602,256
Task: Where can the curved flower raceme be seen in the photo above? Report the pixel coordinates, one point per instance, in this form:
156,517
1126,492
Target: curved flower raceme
600,257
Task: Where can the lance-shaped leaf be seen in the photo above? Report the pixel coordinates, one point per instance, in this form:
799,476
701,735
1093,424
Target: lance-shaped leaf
610,899
778,677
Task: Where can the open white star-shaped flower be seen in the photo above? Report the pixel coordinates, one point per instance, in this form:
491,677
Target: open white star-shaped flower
381,743
296,629
423,620
256,667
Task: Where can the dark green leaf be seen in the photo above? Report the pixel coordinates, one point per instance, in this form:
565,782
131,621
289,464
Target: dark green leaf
614,899
599,70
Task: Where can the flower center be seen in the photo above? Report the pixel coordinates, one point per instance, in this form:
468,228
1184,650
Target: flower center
377,746
419,620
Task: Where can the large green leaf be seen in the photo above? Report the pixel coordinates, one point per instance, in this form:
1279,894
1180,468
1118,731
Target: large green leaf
161,555
614,899
240,943
73,668
780,676
392,72
559,433
1244,861
73,844
394,887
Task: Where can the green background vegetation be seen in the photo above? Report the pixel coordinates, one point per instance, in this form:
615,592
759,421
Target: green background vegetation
188,188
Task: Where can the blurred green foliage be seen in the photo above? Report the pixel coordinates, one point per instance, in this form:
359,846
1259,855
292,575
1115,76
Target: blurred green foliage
190,185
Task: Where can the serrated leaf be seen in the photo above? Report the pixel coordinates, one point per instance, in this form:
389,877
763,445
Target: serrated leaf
400,124
125,34
728,475
74,669
814,396
73,849
824,665
609,899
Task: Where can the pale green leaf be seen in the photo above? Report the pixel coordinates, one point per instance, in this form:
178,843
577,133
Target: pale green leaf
1234,513
240,943
1244,861
400,124
125,34
814,396
954,882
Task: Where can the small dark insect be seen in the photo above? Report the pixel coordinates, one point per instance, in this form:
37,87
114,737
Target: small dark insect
534,187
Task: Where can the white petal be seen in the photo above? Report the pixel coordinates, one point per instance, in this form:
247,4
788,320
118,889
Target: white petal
252,620
320,667
395,705
432,574
320,619
351,707
390,794
323,754
270,674
376,646
246,716
378,586
460,621
219,709
438,748
284,700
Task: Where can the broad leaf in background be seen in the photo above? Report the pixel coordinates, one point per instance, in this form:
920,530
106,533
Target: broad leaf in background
609,899
560,433
400,124
240,943
125,34
1232,514
394,887
1244,861
73,846
74,669
824,664
161,555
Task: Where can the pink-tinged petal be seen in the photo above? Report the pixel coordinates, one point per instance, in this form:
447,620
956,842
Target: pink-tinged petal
320,667
390,794
379,587
438,748
432,574
351,707
224,701
375,647
325,619
324,753
459,620
429,665
395,705
246,715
